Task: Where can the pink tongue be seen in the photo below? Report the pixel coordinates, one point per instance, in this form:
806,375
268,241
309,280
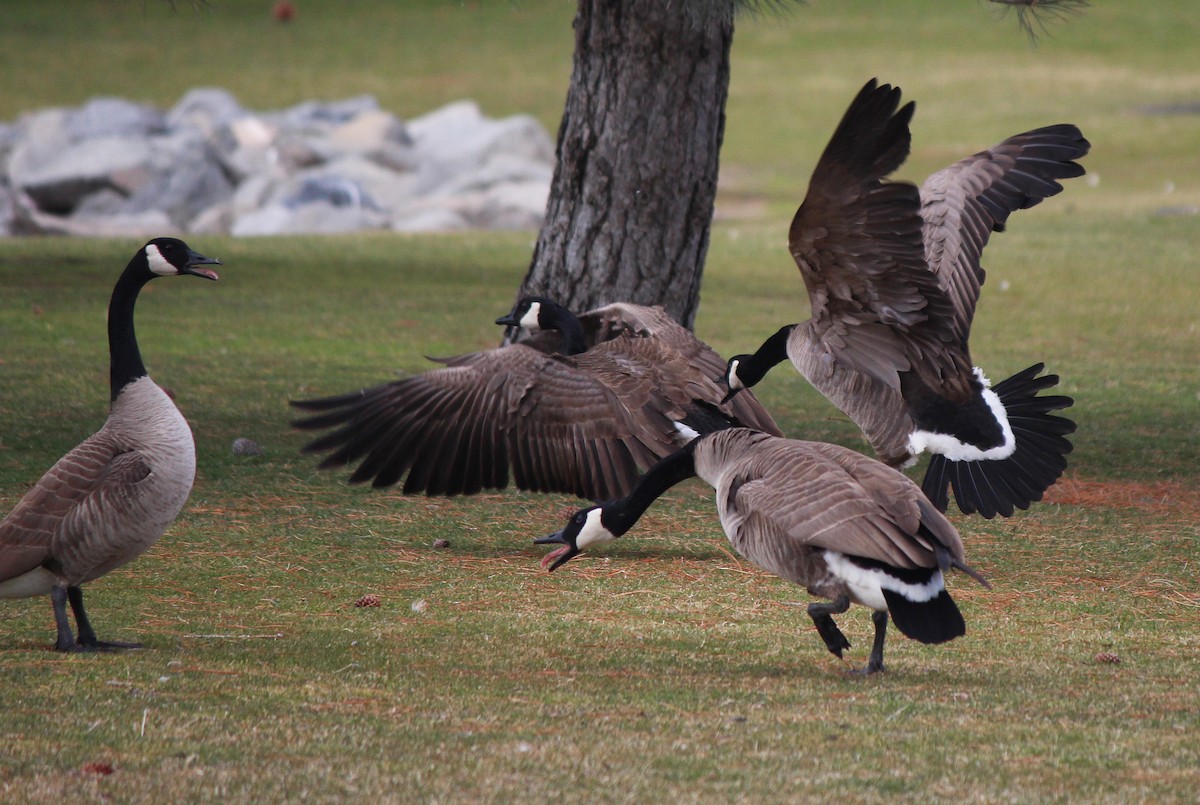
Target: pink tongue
204,272
549,558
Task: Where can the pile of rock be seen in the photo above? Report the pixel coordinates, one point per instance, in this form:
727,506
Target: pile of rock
116,168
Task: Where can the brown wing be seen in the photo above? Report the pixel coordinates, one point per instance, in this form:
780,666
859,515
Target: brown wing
695,364
461,428
830,497
963,204
55,513
858,244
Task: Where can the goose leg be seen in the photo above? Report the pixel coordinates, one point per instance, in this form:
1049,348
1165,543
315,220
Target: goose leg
87,635
58,597
875,662
822,616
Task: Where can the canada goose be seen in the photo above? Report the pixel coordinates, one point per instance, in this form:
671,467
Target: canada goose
893,275
629,387
108,500
847,527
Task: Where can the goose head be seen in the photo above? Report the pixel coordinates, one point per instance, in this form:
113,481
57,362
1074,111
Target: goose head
171,257
732,377
586,527
744,371
533,314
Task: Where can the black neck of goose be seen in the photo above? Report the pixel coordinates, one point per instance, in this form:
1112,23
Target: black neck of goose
620,515
556,317
772,353
124,357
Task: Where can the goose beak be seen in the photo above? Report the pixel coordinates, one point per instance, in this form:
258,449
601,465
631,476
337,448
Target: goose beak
508,320
558,556
196,260
732,393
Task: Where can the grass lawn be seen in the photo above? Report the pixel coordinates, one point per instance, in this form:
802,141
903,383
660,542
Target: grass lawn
662,667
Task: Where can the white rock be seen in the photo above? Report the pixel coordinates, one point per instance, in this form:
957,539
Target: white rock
205,109
428,219
114,117
320,218
385,189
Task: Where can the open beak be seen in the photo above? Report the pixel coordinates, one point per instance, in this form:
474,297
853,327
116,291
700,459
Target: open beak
558,556
196,260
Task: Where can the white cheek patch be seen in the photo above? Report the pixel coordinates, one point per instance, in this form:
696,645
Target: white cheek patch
158,263
956,450
867,584
530,320
593,531
731,376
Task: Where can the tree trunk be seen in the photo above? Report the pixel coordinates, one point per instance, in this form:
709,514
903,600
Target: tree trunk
631,203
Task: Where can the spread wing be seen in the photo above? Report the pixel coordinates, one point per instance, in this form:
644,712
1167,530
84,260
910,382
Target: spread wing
559,424
962,205
876,306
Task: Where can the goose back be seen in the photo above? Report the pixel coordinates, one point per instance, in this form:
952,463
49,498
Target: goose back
784,503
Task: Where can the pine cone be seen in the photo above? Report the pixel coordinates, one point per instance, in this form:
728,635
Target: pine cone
1108,656
368,600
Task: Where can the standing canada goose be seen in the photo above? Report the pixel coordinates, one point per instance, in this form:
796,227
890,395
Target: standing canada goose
893,275
847,527
627,387
108,500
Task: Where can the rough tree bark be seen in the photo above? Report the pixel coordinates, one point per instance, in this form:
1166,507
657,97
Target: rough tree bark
631,202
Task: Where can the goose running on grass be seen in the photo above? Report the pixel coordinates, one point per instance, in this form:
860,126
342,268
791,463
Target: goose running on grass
627,386
845,526
108,500
893,276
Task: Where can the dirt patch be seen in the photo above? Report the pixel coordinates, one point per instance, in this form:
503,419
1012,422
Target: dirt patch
1159,497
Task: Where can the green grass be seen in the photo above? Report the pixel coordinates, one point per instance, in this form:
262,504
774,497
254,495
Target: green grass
662,667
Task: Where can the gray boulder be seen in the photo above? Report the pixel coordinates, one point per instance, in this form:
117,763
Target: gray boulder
57,183
114,117
204,110
209,165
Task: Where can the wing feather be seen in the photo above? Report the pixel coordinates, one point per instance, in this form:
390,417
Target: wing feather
858,244
964,203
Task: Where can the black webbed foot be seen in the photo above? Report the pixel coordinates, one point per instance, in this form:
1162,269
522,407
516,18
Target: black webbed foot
60,596
875,661
104,645
822,617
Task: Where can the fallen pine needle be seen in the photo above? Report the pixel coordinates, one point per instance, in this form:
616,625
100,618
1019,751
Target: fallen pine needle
275,636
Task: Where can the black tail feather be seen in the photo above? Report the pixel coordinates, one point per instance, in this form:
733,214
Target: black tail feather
934,621
998,487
